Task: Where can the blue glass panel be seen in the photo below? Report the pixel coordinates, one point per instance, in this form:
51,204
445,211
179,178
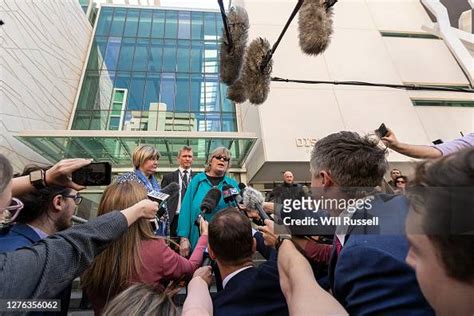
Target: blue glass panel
171,28
229,122
126,54
122,81
227,105
211,92
141,55
213,122
169,55
156,55
158,28
116,29
152,91
184,26
183,56
137,87
182,93
197,25
105,19
112,53
132,23
167,90
211,57
197,95
145,23
210,32
197,56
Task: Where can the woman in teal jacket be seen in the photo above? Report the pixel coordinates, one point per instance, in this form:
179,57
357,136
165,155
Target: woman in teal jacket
218,163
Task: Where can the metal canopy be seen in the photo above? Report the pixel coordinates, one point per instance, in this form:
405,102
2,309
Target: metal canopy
117,146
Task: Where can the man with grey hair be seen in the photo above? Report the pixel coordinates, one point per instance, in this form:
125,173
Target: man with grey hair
366,264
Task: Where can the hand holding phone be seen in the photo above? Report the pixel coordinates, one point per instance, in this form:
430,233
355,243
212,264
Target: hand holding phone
382,131
94,174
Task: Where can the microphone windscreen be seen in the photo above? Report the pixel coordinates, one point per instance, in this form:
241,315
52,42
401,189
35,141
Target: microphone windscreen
210,200
231,57
236,92
252,198
242,186
315,27
171,189
256,80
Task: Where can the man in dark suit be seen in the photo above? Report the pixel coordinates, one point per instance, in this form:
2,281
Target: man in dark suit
288,190
182,176
246,290
367,269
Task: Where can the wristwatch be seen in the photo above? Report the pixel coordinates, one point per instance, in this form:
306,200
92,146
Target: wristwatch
280,239
38,179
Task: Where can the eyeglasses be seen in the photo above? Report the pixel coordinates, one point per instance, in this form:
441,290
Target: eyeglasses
400,181
10,213
227,159
77,198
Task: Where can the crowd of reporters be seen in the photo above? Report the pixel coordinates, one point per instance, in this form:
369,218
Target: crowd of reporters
129,266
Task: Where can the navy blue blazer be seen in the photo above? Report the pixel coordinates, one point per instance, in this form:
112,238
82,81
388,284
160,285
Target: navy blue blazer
370,275
254,291
20,235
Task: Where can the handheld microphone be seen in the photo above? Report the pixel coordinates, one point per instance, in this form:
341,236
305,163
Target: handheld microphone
315,26
231,194
208,203
232,53
253,199
242,187
165,193
255,78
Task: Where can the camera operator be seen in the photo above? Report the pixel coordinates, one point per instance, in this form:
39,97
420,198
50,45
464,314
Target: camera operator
40,271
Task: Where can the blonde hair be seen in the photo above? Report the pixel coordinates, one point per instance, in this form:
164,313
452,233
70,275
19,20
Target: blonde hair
142,153
223,151
114,267
142,299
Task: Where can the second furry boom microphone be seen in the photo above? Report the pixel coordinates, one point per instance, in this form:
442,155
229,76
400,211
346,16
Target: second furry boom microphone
315,25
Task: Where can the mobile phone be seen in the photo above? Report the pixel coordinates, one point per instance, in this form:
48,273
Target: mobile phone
381,131
437,142
96,173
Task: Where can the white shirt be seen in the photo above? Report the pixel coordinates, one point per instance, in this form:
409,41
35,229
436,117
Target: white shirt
341,230
180,182
230,276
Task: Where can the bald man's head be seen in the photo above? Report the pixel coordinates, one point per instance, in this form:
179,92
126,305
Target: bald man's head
288,177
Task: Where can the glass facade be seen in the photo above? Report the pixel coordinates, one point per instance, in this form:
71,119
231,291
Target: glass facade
155,70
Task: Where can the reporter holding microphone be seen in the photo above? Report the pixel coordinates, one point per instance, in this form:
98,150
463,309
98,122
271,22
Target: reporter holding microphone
218,163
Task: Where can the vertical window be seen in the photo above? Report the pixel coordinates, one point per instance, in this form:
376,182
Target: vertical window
118,22
145,23
184,25
119,98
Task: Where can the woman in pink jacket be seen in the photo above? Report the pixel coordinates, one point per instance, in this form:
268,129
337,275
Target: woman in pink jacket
138,256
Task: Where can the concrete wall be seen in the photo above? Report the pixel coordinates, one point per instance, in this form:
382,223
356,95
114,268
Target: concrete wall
44,45
357,52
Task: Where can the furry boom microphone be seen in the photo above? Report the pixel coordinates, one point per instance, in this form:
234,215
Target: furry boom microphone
236,92
232,52
257,71
315,25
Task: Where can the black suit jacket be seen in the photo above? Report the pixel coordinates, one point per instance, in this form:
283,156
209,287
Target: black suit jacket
173,200
254,291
